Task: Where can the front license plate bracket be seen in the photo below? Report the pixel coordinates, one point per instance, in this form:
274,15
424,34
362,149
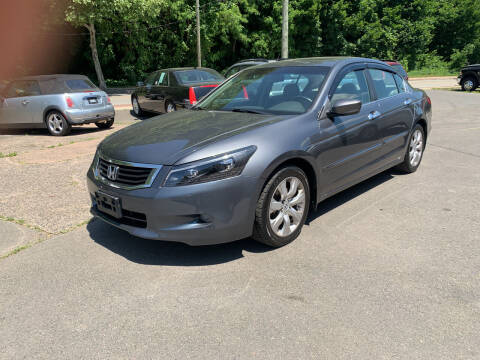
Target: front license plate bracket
108,204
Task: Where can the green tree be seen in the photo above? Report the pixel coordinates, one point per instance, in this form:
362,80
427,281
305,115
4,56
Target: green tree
93,14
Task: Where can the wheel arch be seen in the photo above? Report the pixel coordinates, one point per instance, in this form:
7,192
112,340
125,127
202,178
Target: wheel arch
302,161
423,123
471,74
50,109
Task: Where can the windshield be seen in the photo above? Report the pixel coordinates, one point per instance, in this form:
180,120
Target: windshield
196,76
269,90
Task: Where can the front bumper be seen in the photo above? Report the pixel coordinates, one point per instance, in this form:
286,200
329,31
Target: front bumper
85,116
459,80
204,214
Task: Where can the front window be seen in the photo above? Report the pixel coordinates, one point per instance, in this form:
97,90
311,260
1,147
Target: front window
186,77
269,90
23,88
353,86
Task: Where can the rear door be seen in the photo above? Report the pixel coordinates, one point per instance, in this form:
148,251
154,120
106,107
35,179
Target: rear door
348,145
23,99
396,115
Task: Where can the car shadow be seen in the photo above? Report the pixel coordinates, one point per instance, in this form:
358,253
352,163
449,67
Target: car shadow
351,193
156,252
141,117
76,131
152,252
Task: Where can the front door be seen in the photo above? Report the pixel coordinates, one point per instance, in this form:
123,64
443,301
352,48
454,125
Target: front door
347,146
20,103
146,92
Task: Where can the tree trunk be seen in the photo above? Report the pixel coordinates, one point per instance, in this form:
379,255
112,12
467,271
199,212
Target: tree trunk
96,61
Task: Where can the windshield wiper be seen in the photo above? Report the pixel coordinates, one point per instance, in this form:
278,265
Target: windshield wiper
198,108
249,111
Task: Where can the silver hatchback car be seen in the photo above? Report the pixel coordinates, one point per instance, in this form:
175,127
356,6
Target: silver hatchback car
56,102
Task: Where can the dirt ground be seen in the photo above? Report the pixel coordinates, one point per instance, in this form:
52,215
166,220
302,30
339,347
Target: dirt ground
43,185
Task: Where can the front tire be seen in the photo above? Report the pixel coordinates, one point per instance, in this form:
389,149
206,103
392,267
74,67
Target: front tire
57,125
105,124
282,208
469,83
414,154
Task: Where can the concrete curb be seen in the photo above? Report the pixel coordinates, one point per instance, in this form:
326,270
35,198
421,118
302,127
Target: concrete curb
432,78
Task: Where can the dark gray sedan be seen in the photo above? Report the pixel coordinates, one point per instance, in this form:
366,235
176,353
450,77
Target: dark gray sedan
260,151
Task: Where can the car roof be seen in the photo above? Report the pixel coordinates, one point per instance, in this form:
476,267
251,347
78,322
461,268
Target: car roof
329,61
53,76
185,68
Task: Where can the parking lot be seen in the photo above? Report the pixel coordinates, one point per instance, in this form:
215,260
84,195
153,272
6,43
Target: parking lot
387,269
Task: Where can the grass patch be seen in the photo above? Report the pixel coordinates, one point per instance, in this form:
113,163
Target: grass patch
431,73
22,222
58,145
12,154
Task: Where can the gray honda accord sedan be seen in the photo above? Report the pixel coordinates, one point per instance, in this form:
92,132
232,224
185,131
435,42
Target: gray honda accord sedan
256,154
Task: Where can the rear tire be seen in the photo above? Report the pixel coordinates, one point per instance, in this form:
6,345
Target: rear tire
137,110
105,124
414,154
169,107
282,208
469,83
57,125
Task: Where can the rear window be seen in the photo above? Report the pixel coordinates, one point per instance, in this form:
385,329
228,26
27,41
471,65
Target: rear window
195,76
201,91
79,84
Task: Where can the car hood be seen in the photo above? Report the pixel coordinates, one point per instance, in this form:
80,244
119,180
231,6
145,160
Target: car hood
168,138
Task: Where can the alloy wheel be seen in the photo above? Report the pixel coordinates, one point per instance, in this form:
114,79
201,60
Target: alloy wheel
55,123
468,85
287,206
170,107
416,148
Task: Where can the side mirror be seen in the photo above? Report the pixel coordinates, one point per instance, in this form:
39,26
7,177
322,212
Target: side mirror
345,107
140,83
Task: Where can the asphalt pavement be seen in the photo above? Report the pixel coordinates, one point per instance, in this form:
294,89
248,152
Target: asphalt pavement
387,269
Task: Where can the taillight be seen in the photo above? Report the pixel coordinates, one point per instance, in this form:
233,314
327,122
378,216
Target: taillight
108,100
429,100
191,96
245,93
69,101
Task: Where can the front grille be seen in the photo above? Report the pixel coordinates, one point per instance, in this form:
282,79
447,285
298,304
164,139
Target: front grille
127,175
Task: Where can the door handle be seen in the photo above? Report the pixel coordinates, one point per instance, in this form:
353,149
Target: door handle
373,115
407,102
25,102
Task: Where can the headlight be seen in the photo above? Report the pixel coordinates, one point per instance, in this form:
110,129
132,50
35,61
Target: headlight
210,169
95,162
